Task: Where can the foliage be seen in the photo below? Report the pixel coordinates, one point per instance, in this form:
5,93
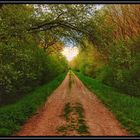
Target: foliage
63,21
115,57
24,64
88,60
14,22
25,67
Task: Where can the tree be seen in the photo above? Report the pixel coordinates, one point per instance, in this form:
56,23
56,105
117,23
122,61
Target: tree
63,21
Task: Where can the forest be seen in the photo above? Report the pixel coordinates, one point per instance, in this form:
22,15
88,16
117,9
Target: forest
113,57
32,65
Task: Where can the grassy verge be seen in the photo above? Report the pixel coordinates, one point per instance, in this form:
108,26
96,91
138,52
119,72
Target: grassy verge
125,108
13,116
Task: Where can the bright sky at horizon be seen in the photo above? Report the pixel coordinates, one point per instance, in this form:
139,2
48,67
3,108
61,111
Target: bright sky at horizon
70,52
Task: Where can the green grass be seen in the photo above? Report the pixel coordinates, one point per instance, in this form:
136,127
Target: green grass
82,128
13,116
73,124
67,111
62,129
79,110
126,108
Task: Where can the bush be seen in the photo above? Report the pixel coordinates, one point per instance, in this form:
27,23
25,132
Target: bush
122,69
23,67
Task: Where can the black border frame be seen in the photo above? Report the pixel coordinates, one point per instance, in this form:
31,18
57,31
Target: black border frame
70,2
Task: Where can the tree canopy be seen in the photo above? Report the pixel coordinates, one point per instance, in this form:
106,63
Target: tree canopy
32,37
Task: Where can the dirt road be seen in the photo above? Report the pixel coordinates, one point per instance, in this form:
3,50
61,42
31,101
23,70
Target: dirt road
72,110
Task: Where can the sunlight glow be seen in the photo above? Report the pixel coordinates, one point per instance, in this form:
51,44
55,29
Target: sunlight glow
70,52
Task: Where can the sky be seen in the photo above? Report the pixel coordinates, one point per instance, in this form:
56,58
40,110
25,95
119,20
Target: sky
70,52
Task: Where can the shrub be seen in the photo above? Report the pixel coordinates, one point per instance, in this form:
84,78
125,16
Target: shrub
23,67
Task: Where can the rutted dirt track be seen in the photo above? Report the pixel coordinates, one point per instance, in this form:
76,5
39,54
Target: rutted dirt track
52,120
